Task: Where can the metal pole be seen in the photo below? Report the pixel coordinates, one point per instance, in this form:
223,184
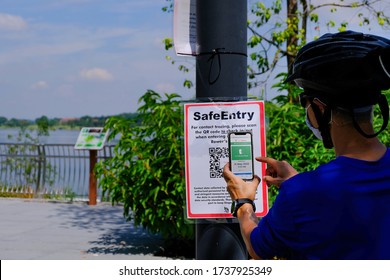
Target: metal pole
92,178
221,64
221,75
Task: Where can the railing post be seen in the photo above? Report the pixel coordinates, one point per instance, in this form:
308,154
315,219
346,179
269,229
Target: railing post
37,189
41,172
43,166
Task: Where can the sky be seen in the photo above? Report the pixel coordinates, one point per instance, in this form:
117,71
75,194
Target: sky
71,58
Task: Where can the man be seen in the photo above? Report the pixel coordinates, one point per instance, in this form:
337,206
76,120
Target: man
341,210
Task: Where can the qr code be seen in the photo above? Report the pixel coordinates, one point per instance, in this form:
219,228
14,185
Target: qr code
217,154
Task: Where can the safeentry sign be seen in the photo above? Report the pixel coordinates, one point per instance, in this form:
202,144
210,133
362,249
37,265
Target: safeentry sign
207,126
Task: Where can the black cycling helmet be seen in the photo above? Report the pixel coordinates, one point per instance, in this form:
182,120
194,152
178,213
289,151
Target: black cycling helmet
346,69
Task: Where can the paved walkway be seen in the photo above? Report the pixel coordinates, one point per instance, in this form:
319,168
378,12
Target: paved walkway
43,230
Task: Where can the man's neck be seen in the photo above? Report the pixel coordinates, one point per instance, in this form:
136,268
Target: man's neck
350,143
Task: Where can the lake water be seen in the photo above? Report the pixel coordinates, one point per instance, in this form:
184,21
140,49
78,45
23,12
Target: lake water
59,136
56,137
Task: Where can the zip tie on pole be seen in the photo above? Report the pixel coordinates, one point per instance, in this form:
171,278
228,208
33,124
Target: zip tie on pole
217,53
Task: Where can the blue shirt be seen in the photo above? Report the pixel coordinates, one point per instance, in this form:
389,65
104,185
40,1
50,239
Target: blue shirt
341,210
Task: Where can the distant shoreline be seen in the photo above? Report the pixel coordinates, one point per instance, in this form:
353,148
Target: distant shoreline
35,127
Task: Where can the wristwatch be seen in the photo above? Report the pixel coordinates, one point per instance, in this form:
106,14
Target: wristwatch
239,202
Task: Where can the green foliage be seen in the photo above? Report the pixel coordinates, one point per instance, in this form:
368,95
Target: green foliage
168,43
378,120
146,172
169,7
278,29
284,30
25,160
66,194
3,121
16,192
43,126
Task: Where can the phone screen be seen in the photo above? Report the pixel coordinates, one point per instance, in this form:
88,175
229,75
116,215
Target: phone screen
241,155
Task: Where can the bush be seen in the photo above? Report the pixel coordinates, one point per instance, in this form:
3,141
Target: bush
146,172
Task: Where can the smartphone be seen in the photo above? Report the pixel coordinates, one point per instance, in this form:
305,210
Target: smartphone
241,154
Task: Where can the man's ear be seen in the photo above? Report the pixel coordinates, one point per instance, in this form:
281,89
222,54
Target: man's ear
321,105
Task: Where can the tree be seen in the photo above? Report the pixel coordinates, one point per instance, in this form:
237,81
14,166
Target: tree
43,126
274,36
3,120
279,29
18,123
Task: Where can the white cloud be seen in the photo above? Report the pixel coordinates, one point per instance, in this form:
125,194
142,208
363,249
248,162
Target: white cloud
40,85
11,22
96,74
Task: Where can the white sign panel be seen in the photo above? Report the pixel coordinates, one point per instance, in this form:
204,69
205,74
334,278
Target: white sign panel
206,152
91,138
184,28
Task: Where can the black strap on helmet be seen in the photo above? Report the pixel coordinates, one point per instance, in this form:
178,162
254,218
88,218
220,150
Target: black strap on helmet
384,107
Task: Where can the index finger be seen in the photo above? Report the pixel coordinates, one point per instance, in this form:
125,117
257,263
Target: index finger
267,160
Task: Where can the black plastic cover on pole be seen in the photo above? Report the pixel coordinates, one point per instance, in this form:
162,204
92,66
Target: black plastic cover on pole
221,63
221,75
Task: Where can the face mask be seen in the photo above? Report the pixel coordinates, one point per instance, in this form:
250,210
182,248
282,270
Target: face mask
316,131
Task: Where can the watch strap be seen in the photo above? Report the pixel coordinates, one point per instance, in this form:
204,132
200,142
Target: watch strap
241,201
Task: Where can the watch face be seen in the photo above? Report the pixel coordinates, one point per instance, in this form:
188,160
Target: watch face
233,207
235,204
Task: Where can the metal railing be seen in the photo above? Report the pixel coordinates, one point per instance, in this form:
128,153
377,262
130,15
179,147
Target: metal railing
46,169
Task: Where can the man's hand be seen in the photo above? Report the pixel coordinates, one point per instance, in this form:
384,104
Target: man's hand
237,187
277,171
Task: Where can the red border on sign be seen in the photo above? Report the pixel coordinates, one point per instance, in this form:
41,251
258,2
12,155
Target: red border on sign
263,185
